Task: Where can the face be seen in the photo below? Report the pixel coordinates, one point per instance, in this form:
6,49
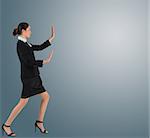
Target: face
27,33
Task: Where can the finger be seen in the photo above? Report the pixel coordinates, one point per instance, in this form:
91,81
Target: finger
49,55
52,29
52,32
49,58
52,51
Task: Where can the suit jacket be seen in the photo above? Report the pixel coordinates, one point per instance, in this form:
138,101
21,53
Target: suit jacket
29,66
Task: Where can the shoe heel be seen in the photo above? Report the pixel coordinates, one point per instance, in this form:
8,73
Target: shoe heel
35,129
2,132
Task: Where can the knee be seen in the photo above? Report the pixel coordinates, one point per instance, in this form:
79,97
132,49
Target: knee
24,101
46,96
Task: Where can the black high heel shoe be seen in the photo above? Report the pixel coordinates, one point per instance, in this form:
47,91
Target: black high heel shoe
11,134
38,121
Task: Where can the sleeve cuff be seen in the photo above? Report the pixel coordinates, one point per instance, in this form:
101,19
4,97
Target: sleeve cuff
48,42
39,63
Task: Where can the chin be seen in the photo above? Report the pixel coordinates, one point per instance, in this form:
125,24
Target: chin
28,36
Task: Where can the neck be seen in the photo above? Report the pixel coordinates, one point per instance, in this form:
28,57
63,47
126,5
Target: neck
23,37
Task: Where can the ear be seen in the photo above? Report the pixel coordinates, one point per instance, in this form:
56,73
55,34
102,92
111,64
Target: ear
23,30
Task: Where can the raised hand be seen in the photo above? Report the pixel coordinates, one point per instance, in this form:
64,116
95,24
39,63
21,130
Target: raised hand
52,34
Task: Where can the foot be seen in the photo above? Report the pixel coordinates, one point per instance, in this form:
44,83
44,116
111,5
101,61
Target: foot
8,130
41,126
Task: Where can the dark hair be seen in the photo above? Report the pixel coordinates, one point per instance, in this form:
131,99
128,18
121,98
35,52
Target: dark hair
18,29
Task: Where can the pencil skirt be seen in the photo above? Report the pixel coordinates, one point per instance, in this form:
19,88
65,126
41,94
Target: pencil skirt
32,86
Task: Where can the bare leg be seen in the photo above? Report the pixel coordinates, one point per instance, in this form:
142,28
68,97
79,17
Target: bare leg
43,106
16,110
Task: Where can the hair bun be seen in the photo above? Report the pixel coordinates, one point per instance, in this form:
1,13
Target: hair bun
15,31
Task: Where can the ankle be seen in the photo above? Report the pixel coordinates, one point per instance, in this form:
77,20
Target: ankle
39,120
7,124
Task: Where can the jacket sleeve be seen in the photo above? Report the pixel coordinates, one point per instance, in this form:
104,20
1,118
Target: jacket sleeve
42,46
27,59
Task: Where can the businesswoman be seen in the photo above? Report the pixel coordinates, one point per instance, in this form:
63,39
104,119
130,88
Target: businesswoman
30,76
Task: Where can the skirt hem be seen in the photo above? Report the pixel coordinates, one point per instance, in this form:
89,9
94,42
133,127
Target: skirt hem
32,94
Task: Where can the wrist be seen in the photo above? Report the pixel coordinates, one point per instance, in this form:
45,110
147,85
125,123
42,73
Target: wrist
50,40
44,61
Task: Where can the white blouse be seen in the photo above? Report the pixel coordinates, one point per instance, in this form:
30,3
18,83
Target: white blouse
24,40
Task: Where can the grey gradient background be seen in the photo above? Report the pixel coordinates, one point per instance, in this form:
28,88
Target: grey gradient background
98,76
0,61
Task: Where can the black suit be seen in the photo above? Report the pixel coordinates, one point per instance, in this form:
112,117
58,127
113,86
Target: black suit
29,66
